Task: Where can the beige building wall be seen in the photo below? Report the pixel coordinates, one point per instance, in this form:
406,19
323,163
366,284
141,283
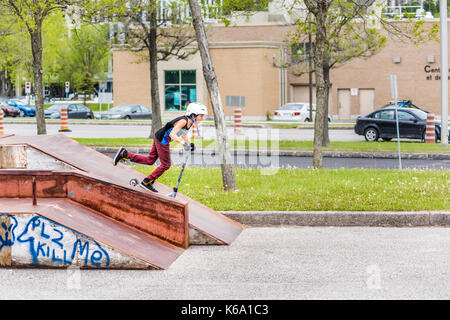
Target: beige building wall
131,79
247,71
407,61
242,61
243,71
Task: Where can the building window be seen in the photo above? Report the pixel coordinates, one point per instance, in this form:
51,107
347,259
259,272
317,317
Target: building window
179,88
300,52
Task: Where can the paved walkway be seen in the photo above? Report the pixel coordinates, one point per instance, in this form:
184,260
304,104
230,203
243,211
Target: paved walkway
269,263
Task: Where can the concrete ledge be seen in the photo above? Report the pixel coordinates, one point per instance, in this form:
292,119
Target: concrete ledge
340,219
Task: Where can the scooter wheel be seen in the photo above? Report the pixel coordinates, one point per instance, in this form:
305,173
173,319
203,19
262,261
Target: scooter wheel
134,182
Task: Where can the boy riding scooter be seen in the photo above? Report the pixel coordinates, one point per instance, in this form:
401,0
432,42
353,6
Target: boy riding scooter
176,130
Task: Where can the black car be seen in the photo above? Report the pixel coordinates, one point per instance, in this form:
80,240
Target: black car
404,104
74,111
127,111
382,124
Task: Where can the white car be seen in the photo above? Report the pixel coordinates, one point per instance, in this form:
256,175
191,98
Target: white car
295,111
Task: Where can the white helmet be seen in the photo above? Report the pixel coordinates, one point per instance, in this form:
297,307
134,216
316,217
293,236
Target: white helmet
196,108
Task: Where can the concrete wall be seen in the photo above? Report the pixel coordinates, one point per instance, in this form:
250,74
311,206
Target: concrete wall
30,239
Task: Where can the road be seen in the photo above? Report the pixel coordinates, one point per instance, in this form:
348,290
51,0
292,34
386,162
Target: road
131,131
306,162
268,263
123,131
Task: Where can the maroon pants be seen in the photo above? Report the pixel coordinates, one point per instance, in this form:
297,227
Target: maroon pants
158,151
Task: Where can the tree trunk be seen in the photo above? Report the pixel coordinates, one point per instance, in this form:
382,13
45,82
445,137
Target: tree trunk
5,84
228,178
326,75
154,90
321,99
36,48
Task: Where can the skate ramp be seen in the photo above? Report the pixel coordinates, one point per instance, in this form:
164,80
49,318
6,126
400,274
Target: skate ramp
93,208
206,225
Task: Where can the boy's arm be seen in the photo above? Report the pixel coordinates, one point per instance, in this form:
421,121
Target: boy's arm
173,134
186,137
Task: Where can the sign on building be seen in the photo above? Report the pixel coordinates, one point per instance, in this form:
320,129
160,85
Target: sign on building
105,97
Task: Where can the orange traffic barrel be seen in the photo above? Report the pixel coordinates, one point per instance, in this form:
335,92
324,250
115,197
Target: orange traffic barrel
64,127
2,129
196,130
430,134
238,120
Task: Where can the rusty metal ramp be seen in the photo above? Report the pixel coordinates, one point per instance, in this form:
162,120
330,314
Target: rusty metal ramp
108,236
134,223
206,225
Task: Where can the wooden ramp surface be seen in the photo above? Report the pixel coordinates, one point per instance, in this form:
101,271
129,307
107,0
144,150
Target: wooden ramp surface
155,252
67,150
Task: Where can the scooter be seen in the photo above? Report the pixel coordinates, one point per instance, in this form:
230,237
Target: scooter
175,190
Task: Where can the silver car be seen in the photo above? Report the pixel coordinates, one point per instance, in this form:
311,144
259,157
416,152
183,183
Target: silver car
295,111
127,111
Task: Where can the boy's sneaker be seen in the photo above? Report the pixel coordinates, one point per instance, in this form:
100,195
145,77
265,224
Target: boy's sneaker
147,185
122,154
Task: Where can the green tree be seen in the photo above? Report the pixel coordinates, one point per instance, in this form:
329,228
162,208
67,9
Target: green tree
54,39
86,86
160,34
84,59
342,31
31,14
14,52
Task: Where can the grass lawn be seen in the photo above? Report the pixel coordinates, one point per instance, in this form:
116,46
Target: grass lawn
282,145
315,190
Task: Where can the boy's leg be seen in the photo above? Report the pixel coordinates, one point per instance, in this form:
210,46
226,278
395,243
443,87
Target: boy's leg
163,152
164,157
148,160
123,154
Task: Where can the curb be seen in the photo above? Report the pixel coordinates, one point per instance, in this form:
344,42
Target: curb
294,153
329,127
341,218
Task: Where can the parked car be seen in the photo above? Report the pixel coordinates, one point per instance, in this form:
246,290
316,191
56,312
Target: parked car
25,110
404,104
9,111
295,111
74,111
381,123
127,111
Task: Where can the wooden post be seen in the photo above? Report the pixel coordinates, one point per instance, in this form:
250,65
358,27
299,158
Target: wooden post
13,157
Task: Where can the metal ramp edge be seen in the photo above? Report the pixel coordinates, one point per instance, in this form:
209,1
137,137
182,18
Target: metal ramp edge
131,242
165,220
